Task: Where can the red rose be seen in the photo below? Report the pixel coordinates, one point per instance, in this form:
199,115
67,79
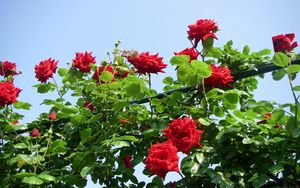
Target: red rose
190,52
127,160
15,122
52,116
184,134
45,69
146,63
8,93
89,105
283,43
35,132
7,68
83,61
99,72
162,158
121,73
220,77
202,30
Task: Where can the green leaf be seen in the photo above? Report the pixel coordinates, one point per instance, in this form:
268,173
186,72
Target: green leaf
46,177
22,105
296,133
291,125
69,109
179,59
202,69
296,88
239,114
278,75
168,80
157,181
120,143
32,180
293,69
133,89
106,76
215,52
280,59
62,72
20,146
187,75
230,99
85,134
200,157
276,169
76,119
246,50
86,171
58,146
264,52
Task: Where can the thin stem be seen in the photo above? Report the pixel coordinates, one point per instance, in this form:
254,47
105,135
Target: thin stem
150,103
57,89
204,96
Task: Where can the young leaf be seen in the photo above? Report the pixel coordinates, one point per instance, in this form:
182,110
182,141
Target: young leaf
280,59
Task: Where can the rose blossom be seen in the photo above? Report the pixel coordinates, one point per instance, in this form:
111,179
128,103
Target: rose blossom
45,69
146,63
7,68
220,77
35,132
162,158
89,105
100,70
123,121
184,134
202,30
191,52
82,61
127,160
283,43
52,116
8,93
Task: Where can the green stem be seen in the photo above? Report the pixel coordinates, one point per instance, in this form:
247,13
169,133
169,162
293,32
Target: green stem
204,97
150,104
57,89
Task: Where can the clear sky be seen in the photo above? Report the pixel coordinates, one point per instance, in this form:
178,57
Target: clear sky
34,30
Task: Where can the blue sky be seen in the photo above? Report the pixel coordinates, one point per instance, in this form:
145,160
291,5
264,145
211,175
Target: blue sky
35,30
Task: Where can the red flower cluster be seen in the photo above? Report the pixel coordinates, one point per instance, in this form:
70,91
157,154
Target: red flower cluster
89,105
7,68
283,43
45,69
82,61
221,77
99,71
162,158
146,63
8,93
127,160
202,30
184,134
190,52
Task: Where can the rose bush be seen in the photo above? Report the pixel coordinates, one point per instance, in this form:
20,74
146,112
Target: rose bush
118,121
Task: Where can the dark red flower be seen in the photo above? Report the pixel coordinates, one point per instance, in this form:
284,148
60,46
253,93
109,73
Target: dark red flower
220,77
127,160
8,93
89,105
45,69
15,122
191,52
202,30
52,116
82,61
283,43
99,71
162,158
35,132
121,73
172,184
7,68
146,63
184,134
